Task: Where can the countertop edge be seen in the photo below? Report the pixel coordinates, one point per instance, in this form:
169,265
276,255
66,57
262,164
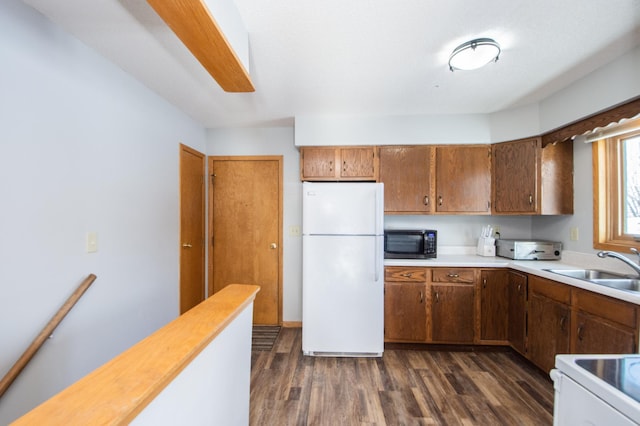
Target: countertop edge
535,267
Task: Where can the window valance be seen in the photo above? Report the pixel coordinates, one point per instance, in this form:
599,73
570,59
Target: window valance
601,120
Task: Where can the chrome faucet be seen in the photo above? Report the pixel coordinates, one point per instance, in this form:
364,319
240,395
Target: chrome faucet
624,259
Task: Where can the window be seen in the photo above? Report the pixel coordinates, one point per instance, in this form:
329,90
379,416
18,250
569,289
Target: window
616,160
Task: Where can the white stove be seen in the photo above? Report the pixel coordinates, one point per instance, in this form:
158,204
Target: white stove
597,390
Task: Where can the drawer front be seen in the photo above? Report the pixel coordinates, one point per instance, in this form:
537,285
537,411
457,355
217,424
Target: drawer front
404,274
615,310
552,289
450,275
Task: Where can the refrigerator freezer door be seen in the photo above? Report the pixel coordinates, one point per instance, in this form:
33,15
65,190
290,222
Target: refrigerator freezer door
342,208
343,296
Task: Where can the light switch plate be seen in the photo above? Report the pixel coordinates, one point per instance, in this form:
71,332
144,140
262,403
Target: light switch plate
92,242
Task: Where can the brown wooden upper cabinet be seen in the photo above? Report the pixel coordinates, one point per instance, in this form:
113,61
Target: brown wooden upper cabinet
408,175
530,179
333,163
463,179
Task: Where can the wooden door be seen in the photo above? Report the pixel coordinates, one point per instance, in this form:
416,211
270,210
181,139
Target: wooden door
594,335
517,311
494,305
246,229
406,172
192,233
358,163
405,313
452,318
463,179
516,177
318,163
548,330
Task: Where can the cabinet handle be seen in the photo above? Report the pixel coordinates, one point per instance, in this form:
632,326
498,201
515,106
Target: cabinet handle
580,336
439,200
186,245
530,199
453,275
484,283
421,297
407,275
519,287
563,321
425,201
437,297
344,166
330,166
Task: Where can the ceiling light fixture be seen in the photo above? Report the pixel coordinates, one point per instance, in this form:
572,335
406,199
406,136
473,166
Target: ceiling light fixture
474,54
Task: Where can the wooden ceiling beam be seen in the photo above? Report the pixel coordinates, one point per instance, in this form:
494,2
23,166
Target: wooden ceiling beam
194,25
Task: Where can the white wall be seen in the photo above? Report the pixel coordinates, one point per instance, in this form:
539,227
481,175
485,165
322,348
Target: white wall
461,231
84,147
274,141
393,130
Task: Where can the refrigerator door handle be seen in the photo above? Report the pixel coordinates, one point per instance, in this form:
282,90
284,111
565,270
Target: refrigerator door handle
376,257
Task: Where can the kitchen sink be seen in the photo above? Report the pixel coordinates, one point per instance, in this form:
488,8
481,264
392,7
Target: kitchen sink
595,276
628,284
587,274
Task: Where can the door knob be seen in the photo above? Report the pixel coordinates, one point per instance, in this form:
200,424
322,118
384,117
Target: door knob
273,245
186,245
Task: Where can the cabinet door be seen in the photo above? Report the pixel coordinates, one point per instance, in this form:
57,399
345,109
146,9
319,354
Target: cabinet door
463,179
318,163
494,305
406,174
358,163
452,313
548,330
405,314
597,336
517,329
516,176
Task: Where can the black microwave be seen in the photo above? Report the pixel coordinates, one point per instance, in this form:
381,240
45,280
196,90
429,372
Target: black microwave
410,244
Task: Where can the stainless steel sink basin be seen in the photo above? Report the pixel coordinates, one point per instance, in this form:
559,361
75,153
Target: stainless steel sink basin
628,284
595,276
587,274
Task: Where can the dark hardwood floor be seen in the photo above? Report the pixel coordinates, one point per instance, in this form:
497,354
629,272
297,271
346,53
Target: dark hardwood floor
404,387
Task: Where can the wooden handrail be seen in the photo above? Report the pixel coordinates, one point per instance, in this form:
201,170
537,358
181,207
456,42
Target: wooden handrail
48,329
116,392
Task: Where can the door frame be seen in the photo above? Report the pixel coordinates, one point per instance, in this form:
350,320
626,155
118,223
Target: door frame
280,161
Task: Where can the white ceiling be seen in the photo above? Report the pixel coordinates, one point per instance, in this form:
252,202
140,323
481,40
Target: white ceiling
363,57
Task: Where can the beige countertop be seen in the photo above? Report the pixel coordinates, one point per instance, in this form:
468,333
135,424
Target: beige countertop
536,267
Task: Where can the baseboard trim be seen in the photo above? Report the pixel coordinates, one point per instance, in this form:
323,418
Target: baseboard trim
292,324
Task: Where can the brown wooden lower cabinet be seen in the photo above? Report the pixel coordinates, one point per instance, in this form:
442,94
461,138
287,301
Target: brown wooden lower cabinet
549,323
517,316
602,324
595,336
405,313
452,312
537,317
494,305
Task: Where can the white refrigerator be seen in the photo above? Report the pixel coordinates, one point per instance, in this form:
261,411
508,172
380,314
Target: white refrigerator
342,269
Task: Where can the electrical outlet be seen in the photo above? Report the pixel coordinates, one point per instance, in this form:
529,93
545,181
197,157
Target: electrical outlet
573,233
496,230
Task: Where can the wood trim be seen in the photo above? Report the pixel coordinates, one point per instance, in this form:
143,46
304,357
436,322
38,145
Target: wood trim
628,109
292,324
119,390
194,25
